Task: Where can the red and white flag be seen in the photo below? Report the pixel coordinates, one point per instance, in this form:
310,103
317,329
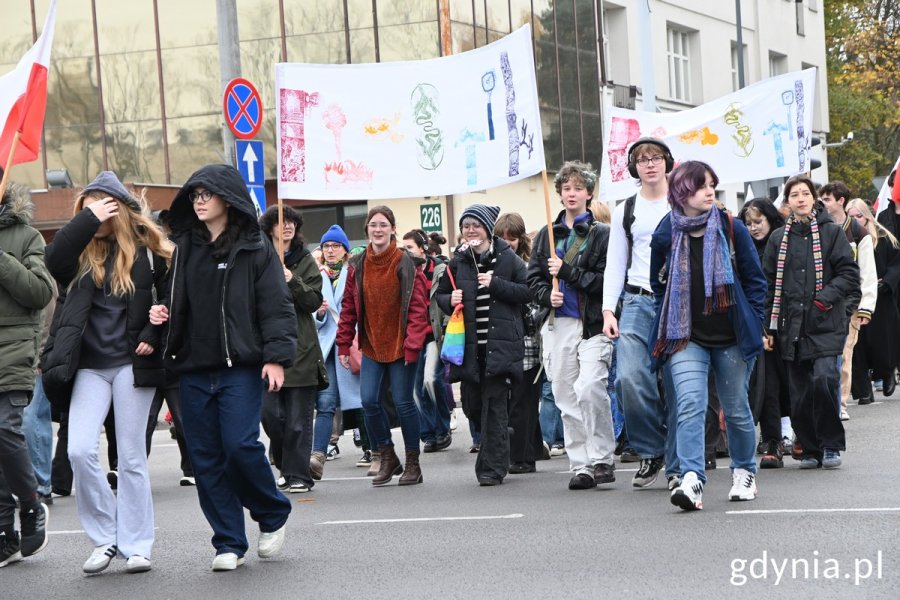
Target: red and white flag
890,190
23,97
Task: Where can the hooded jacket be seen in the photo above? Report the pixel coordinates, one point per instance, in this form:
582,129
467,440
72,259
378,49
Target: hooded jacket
506,331
62,351
306,293
804,331
257,323
26,287
584,276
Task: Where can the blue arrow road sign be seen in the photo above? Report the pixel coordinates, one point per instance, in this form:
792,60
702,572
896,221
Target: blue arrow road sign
258,193
249,154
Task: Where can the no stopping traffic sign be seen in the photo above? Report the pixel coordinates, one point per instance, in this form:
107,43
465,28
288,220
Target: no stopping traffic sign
243,108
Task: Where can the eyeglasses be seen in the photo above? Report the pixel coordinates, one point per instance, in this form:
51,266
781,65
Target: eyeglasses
331,247
650,160
377,225
201,197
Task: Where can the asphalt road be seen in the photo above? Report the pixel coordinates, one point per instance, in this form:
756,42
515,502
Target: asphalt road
810,534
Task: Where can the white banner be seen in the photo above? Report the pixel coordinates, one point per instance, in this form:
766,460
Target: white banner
426,128
759,132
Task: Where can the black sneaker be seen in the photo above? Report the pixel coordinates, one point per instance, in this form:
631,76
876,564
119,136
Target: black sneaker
443,442
629,455
113,478
648,471
582,481
429,446
33,522
9,548
604,473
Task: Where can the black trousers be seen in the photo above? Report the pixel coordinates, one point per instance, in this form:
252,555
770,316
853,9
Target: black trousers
287,418
525,444
171,393
769,396
815,406
486,405
16,472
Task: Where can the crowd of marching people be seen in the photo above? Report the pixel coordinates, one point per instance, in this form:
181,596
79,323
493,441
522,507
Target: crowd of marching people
669,333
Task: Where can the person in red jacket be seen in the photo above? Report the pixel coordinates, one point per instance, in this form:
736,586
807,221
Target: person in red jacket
385,300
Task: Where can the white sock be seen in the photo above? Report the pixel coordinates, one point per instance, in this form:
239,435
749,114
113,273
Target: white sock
786,429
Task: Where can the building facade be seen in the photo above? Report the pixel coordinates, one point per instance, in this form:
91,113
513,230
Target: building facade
136,88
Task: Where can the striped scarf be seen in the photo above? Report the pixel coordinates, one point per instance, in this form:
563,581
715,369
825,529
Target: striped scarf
782,257
674,331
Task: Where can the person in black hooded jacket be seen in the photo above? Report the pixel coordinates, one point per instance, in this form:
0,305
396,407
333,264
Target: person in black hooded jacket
231,324
813,290
110,262
287,415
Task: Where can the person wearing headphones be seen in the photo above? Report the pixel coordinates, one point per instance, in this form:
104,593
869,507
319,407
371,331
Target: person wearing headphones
627,279
576,352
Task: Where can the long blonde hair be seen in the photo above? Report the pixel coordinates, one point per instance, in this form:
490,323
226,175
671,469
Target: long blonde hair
875,229
130,230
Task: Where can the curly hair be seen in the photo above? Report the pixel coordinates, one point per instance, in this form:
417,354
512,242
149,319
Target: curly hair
268,222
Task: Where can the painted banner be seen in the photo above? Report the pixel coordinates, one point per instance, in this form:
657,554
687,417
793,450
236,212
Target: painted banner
424,128
759,132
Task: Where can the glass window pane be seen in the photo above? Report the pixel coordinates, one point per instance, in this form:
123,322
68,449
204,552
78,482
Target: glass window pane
399,12
354,223
324,48
316,221
258,58
258,19
135,151
321,16
461,10
360,14
191,77
184,23
17,38
124,31
193,142
521,12
72,92
571,136
463,37
498,16
76,148
409,42
130,86
362,45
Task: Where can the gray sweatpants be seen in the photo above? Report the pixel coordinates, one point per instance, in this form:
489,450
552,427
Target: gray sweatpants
125,518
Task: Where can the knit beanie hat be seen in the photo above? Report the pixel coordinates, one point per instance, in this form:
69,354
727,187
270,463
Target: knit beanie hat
484,214
336,234
108,183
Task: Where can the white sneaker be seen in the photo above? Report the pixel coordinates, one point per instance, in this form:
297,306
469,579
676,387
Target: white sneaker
137,564
270,543
557,450
674,481
453,422
100,558
845,416
187,481
688,495
229,561
743,486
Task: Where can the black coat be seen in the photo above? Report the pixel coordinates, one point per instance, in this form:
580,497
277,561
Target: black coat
257,323
804,331
585,274
509,292
61,354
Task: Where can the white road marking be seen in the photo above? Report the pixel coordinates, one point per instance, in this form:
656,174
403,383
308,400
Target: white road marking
344,478
810,510
424,519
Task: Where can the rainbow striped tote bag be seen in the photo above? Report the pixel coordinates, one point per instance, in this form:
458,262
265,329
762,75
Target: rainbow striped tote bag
454,345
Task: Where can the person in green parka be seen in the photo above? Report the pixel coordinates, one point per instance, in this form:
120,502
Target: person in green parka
287,414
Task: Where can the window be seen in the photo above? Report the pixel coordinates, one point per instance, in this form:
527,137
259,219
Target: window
777,64
801,16
678,53
735,79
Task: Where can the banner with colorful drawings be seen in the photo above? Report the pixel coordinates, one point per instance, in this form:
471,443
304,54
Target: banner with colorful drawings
759,132
425,128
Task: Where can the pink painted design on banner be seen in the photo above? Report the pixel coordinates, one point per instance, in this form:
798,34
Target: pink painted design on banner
335,121
621,134
294,105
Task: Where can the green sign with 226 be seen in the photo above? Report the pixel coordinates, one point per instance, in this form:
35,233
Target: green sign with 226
431,217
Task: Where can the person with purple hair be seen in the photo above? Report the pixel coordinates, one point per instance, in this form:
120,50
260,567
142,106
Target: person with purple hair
709,290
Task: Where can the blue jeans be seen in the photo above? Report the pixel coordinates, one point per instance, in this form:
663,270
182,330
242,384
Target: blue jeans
434,414
38,429
689,369
402,377
220,411
615,404
326,405
636,386
550,417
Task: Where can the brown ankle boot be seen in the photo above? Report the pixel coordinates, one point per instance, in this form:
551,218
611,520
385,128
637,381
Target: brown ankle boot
376,464
390,466
316,465
412,474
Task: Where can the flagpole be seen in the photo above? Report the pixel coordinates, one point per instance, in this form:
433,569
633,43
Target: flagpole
550,241
12,153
